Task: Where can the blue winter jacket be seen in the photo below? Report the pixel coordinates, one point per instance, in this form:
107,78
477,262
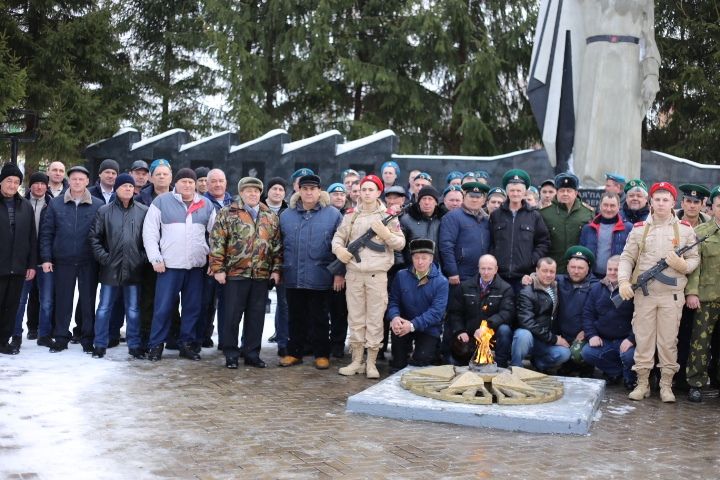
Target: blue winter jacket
572,300
307,237
423,302
589,238
601,318
464,238
65,228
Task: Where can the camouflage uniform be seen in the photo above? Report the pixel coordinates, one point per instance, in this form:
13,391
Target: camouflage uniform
657,315
703,282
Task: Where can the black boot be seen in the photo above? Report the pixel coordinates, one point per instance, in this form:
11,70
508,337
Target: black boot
695,395
32,335
186,351
15,343
114,342
7,349
56,346
98,352
44,342
138,353
155,353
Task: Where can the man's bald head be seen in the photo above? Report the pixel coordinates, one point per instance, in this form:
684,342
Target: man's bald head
488,267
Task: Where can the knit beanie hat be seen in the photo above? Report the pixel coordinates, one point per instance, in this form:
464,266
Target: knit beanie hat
185,173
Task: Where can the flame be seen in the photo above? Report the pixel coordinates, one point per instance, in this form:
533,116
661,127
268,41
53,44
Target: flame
484,354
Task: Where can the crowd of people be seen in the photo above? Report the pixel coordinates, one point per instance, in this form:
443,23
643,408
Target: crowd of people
369,265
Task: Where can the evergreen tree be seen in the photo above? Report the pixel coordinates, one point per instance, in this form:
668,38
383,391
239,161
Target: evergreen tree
75,75
686,119
12,79
173,71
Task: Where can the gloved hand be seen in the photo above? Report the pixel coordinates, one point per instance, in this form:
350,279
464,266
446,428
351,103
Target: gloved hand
676,263
381,230
344,255
626,290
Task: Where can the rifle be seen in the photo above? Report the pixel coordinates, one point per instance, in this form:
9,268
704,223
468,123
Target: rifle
338,268
655,272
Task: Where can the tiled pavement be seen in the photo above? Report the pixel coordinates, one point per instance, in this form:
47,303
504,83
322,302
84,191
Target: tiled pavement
69,416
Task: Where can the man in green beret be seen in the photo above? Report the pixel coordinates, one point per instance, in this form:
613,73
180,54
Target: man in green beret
635,208
520,237
565,218
703,295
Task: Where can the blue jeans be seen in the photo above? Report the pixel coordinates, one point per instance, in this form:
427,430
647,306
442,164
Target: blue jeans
172,283
44,282
282,331
109,295
503,345
608,359
544,355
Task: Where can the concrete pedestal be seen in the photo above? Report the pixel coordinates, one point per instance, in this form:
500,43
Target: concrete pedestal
572,414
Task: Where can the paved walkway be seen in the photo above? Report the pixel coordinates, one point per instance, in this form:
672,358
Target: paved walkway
70,416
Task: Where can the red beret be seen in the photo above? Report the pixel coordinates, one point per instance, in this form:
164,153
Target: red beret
374,179
667,186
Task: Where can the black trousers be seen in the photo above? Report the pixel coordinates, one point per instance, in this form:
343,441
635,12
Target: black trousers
308,313
338,317
10,290
33,307
422,355
683,344
244,296
65,277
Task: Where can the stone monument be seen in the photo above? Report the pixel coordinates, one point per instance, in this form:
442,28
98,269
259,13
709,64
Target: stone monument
594,74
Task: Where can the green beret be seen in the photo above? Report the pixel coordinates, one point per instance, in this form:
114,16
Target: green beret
635,183
578,251
714,193
516,175
475,187
694,191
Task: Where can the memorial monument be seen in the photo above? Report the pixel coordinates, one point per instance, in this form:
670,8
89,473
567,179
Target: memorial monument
593,76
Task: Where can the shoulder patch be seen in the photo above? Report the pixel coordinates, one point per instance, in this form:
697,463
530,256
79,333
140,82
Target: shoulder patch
588,206
686,223
390,211
638,224
350,210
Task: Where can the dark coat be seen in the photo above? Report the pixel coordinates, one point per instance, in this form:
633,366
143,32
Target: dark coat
43,212
147,194
536,313
96,191
307,237
589,237
634,216
416,225
19,250
602,319
64,231
572,299
227,200
422,302
468,309
117,243
464,238
518,242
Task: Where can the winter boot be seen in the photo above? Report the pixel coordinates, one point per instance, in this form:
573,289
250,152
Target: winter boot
642,389
371,370
357,365
15,343
666,393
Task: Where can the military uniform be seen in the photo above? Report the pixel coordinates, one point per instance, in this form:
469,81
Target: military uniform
657,315
564,227
703,282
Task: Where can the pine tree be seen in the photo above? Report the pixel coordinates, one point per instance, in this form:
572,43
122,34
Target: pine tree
686,120
173,70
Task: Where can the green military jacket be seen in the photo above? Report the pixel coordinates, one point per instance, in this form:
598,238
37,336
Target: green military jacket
564,228
243,248
704,280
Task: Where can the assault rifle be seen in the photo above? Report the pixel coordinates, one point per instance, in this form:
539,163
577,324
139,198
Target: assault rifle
338,268
656,272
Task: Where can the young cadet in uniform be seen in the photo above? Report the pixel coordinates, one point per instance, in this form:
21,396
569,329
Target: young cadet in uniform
366,281
657,315
703,295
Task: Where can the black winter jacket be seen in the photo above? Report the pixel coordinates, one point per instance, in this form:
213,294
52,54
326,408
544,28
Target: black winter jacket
536,312
117,243
43,212
518,242
18,251
416,225
467,309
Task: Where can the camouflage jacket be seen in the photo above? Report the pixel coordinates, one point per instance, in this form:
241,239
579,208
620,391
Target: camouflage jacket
241,247
704,280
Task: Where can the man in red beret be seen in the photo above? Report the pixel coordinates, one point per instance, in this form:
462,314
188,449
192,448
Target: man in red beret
657,315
